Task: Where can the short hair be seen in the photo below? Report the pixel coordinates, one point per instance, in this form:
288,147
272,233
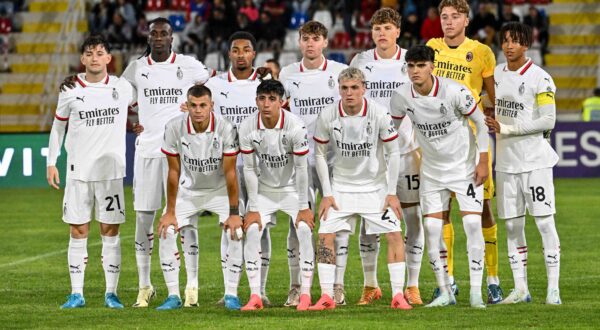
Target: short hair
420,53
597,91
519,33
270,86
199,91
161,20
314,27
93,41
242,35
274,61
352,73
386,15
460,5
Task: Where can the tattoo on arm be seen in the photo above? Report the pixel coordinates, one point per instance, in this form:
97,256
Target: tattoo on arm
324,254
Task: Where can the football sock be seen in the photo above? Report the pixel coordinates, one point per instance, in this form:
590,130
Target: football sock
169,260
224,248
265,257
189,244
341,256
449,251
326,278
293,255
111,261
433,232
369,250
252,258
490,236
517,251
307,256
77,258
234,265
551,245
475,250
144,241
415,242
397,277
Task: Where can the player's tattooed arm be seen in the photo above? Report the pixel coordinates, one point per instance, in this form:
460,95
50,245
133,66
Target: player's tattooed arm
325,254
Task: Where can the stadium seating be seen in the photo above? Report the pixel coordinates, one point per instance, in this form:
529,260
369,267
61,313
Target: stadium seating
177,22
215,61
338,57
297,20
287,58
291,40
262,57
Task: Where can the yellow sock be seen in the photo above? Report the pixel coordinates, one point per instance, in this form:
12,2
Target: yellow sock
449,239
490,235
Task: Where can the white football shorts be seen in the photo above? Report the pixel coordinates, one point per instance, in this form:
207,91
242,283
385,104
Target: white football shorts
530,191
189,206
435,196
105,198
269,202
149,182
409,178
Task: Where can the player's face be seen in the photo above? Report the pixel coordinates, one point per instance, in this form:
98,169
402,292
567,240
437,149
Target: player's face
385,35
95,59
199,108
352,92
269,105
241,54
160,37
512,49
453,22
419,72
312,45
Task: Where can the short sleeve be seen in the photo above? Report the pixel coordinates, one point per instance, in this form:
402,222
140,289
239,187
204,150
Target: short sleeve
397,105
321,134
464,101
170,145
231,145
387,131
488,61
244,137
300,141
355,61
129,73
199,72
545,84
63,108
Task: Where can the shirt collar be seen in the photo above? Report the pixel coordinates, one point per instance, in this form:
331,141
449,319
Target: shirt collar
434,90
80,78
322,67
170,59
231,77
395,57
362,112
209,129
279,124
522,69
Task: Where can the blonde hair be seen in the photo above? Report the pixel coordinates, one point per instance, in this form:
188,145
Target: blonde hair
352,73
386,15
460,5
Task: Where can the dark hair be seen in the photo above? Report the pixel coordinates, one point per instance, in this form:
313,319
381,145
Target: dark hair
199,91
519,33
420,53
93,41
158,20
270,86
274,61
597,91
242,35
313,28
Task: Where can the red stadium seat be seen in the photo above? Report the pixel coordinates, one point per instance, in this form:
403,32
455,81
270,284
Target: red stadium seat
341,40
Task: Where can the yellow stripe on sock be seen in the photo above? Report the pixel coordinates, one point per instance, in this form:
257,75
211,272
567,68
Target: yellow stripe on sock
490,235
449,239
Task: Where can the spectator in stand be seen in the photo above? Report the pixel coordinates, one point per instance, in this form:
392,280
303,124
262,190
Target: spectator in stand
479,26
367,9
539,24
274,66
119,34
249,9
323,15
269,37
410,31
142,30
193,37
244,24
218,32
127,11
100,17
203,8
507,16
5,30
301,6
350,9
277,13
432,25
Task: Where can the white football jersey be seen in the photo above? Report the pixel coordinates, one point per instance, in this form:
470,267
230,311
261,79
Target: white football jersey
310,91
273,149
161,88
441,127
201,154
97,116
383,76
359,164
516,102
234,99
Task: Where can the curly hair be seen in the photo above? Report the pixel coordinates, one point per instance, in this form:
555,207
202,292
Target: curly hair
313,28
460,5
386,15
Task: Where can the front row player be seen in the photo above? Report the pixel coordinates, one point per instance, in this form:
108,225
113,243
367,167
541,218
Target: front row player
439,109
96,112
202,145
525,108
363,183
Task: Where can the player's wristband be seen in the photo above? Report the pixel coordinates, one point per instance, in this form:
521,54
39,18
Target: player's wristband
234,210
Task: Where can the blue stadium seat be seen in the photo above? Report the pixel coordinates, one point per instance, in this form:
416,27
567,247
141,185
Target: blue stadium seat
338,57
177,22
297,20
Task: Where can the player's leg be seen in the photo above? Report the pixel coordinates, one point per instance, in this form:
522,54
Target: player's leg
189,245
223,250
170,265
265,259
341,260
293,247
447,249
490,236
369,251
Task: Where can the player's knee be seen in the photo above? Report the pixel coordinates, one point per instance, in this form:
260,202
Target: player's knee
79,231
253,231
303,229
545,224
394,238
109,229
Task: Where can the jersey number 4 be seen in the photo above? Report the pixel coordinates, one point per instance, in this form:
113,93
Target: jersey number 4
471,191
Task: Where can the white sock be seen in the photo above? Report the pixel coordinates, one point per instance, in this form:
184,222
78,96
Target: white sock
433,231
341,256
475,250
169,261
111,261
326,278
252,258
224,248
415,243
235,263
189,244
551,245
265,258
307,257
517,251
397,277
77,257
144,241
293,249
369,250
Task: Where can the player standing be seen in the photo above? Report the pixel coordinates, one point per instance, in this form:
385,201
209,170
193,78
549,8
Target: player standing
96,112
453,162
362,182
470,63
161,79
311,85
268,139
384,68
525,108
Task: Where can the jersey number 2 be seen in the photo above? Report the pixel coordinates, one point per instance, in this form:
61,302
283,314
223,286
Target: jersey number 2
110,200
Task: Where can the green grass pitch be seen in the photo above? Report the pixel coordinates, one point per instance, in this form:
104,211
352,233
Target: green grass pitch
34,279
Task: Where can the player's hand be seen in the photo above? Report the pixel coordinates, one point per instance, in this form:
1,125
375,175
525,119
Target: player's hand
326,203
250,218
307,216
492,124
53,177
183,107
233,224
68,83
137,128
481,171
489,112
166,221
393,203
263,72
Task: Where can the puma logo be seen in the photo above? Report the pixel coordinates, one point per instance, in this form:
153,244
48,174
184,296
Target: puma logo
257,142
432,263
476,262
252,262
478,202
418,247
139,244
555,257
550,96
187,145
512,257
290,250
309,263
74,267
296,83
145,75
194,247
225,94
410,110
343,248
80,98
547,79
238,266
549,204
167,264
370,68
122,212
338,129
113,266
496,83
366,245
